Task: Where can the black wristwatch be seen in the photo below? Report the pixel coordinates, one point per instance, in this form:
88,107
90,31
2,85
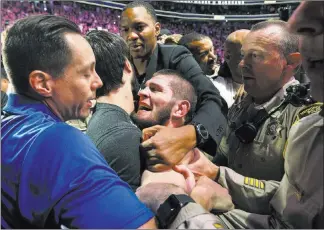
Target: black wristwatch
169,210
202,134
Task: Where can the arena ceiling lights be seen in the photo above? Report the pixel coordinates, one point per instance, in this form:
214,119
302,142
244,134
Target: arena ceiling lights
235,3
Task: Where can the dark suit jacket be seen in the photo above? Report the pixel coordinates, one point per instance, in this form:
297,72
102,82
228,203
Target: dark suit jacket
211,107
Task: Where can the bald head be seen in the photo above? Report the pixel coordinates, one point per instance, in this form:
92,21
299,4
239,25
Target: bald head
237,36
232,53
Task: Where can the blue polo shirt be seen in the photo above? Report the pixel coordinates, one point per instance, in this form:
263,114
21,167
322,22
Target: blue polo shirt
53,175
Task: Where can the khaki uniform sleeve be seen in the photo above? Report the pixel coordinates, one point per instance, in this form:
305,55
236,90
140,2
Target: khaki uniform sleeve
193,216
247,193
79,124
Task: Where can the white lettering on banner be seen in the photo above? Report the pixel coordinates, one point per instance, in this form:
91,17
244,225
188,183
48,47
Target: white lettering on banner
219,17
269,2
222,2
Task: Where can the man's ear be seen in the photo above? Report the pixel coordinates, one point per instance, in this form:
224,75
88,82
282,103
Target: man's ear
294,60
4,80
181,109
157,29
41,83
128,67
128,70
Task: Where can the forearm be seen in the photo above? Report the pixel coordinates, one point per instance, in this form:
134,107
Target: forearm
249,194
190,132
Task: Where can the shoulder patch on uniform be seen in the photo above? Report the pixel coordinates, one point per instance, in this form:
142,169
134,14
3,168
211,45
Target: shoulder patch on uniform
253,182
308,110
218,226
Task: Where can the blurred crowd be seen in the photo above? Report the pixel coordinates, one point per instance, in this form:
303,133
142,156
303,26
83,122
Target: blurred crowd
86,16
217,31
90,17
216,9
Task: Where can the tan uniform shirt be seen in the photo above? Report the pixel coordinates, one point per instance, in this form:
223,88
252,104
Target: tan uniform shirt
262,158
296,203
79,124
82,125
299,199
193,216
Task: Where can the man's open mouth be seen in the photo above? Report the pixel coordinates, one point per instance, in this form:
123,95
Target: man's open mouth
144,107
135,46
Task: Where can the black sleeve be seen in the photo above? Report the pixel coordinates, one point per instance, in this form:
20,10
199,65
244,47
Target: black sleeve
121,151
211,107
220,160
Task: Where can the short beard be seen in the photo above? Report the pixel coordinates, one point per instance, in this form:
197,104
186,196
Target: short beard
162,118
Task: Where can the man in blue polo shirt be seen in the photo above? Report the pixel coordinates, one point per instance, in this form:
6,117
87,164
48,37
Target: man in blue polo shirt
52,175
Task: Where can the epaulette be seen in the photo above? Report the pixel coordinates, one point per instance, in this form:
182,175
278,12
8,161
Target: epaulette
308,110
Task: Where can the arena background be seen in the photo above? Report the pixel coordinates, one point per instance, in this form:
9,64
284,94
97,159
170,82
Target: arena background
216,19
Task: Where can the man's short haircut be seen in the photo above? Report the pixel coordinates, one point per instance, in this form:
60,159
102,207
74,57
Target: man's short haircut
288,42
187,39
111,53
182,90
37,43
149,8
